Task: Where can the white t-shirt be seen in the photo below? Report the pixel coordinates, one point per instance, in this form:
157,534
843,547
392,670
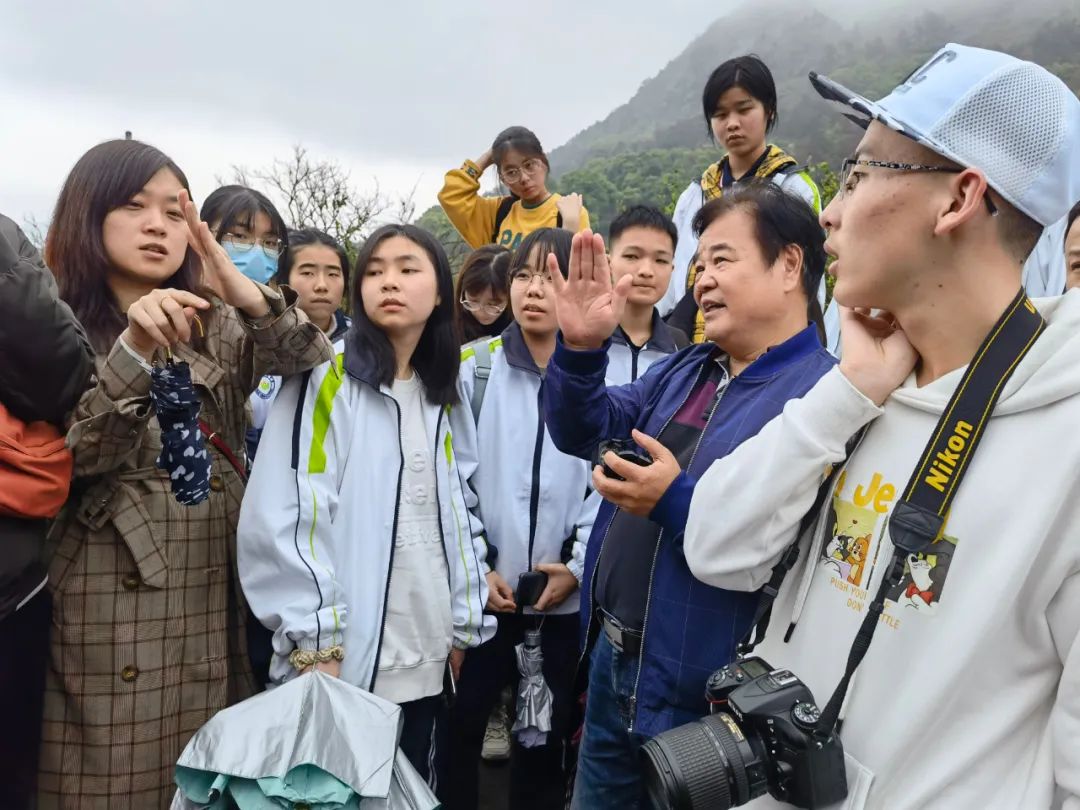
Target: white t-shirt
419,626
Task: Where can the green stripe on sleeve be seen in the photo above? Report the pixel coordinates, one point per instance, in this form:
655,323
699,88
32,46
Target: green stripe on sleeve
324,403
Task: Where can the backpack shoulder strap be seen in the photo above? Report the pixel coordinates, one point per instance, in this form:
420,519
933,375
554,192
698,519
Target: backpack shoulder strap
790,168
504,211
481,350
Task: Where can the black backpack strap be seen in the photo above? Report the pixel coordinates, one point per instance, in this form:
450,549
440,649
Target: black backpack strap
791,168
505,204
504,211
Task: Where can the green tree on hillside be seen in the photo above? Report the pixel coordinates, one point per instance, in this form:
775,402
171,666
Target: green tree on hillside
457,249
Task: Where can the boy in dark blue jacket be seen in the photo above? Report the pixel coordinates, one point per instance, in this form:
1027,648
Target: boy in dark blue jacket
653,633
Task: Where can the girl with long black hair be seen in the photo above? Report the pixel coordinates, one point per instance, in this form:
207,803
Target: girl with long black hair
357,545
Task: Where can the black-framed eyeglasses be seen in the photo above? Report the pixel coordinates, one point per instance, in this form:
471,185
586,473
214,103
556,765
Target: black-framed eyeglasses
848,181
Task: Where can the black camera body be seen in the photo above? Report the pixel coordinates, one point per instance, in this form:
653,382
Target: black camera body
804,767
762,729
624,449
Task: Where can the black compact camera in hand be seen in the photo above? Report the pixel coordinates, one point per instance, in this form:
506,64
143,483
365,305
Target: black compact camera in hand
530,588
626,450
761,735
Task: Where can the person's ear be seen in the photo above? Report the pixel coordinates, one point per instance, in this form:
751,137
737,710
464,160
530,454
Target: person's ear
961,199
791,265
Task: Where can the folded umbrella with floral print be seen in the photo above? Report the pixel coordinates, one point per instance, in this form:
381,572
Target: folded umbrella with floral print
183,455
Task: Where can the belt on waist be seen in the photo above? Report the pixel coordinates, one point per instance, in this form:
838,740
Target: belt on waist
622,638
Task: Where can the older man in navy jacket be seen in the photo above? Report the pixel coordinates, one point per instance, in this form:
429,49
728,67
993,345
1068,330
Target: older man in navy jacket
652,632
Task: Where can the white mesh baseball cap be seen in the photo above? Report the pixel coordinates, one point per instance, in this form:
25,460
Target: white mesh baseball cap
1013,120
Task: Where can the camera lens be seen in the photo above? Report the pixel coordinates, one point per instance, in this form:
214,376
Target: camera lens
705,764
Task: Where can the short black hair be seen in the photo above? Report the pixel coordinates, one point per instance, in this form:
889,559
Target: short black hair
1074,214
780,219
549,240
749,73
239,205
643,216
1019,232
521,140
306,237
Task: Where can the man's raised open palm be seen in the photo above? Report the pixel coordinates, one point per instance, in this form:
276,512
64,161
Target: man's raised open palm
587,305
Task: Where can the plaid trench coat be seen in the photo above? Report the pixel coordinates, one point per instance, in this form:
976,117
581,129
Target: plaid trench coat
148,617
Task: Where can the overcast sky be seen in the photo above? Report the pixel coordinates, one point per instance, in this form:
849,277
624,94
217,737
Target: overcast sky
400,90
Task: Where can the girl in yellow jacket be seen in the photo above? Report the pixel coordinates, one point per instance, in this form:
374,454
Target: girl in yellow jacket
523,168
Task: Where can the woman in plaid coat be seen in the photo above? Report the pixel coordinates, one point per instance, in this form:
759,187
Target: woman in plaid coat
147,637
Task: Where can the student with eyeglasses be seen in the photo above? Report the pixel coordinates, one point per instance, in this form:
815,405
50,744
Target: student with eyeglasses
523,168
482,294
250,229
974,595
255,236
537,511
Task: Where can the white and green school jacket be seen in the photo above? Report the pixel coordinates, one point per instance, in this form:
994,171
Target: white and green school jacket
316,533
536,502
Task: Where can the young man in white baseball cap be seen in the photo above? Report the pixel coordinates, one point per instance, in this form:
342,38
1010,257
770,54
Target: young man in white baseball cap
948,542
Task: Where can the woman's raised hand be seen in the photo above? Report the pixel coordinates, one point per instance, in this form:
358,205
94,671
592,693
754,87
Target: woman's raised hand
219,272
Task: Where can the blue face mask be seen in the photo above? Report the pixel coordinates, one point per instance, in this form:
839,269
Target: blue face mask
253,262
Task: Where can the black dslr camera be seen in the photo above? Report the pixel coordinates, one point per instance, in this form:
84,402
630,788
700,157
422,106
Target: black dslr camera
624,449
760,735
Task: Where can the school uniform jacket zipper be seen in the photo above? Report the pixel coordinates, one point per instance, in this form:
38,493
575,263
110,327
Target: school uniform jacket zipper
393,542
538,450
298,420
442,534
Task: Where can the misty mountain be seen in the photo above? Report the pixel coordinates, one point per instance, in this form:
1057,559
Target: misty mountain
648,149
869,54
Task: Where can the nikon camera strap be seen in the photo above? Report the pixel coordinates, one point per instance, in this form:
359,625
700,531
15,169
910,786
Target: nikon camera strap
918,519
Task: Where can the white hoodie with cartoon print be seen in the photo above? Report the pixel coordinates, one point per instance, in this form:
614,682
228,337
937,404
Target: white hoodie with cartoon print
969,696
